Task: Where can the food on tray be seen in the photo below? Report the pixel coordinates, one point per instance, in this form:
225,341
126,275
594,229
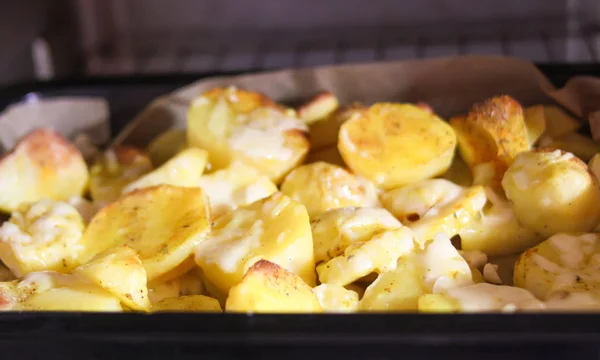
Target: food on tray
339,208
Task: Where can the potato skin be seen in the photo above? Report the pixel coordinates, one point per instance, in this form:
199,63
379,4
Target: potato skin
552,192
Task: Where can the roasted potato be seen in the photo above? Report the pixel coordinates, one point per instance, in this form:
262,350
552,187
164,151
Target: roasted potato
276,229
162,223
336,298
269,288
552,192
185,169
190,303
43,165
234,186
322,187
186,284
535,123
558,122
167,145
320,107
46,235
234,124
380,144
333,231
579,145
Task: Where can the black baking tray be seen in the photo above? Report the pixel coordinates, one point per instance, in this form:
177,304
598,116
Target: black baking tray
233,336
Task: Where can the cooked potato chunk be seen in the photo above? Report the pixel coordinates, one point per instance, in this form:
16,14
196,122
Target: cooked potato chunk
558,122
380,144
185,169
234,186
579,145
322,187
324,133
334,230
552,192
269,288
318,108
378,254
480,298
114,170
191,303
187,284
167,145
535,123
234,124
42,236
563,271
594,166
43,165
162,223
336,298
120,272
276,229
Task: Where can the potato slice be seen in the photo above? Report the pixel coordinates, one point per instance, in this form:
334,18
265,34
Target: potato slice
594,166
191,303
335,230
336,298
276,229
46,235
552,192
320,107
234,124
380,144
535,123
43,165
322,187
120,272
114,170
189,283
378,254
162,223
579,145
324,133
167,145
269,288
558,122
235,186
185,169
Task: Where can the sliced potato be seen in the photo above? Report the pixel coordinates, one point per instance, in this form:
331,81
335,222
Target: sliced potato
167,145
558,122
235,186
535,123
162,223
276,229
234,124
46,235
190,303
579,145
120,272
269,288
594,166
189,283
322,187
324,133
185,169
380,144
336,298
43,165
320,107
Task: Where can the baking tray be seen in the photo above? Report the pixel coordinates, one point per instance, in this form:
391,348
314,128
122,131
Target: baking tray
232,336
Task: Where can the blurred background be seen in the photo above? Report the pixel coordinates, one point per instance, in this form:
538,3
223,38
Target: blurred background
73,38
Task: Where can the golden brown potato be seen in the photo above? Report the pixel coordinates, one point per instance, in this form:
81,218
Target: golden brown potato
558,122
43,165
380,144
324,133
552,192
114,170
188,283
321,187
190,303
535,123
320,107
579,145
234,124
269,288
166,145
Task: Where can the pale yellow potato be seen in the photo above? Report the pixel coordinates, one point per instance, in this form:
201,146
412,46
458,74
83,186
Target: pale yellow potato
535,123
185,169
46,235
115,169
276,229
120,272
378,254
329,155
269,288
235,186
380,144
320,107
594,166
324,134
336,298
190,303
43,165
481,297
166,145
459,173
234,124
436,268
333,231
322,187
497,230
552,192
558,122
579,145
163,224
186,284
